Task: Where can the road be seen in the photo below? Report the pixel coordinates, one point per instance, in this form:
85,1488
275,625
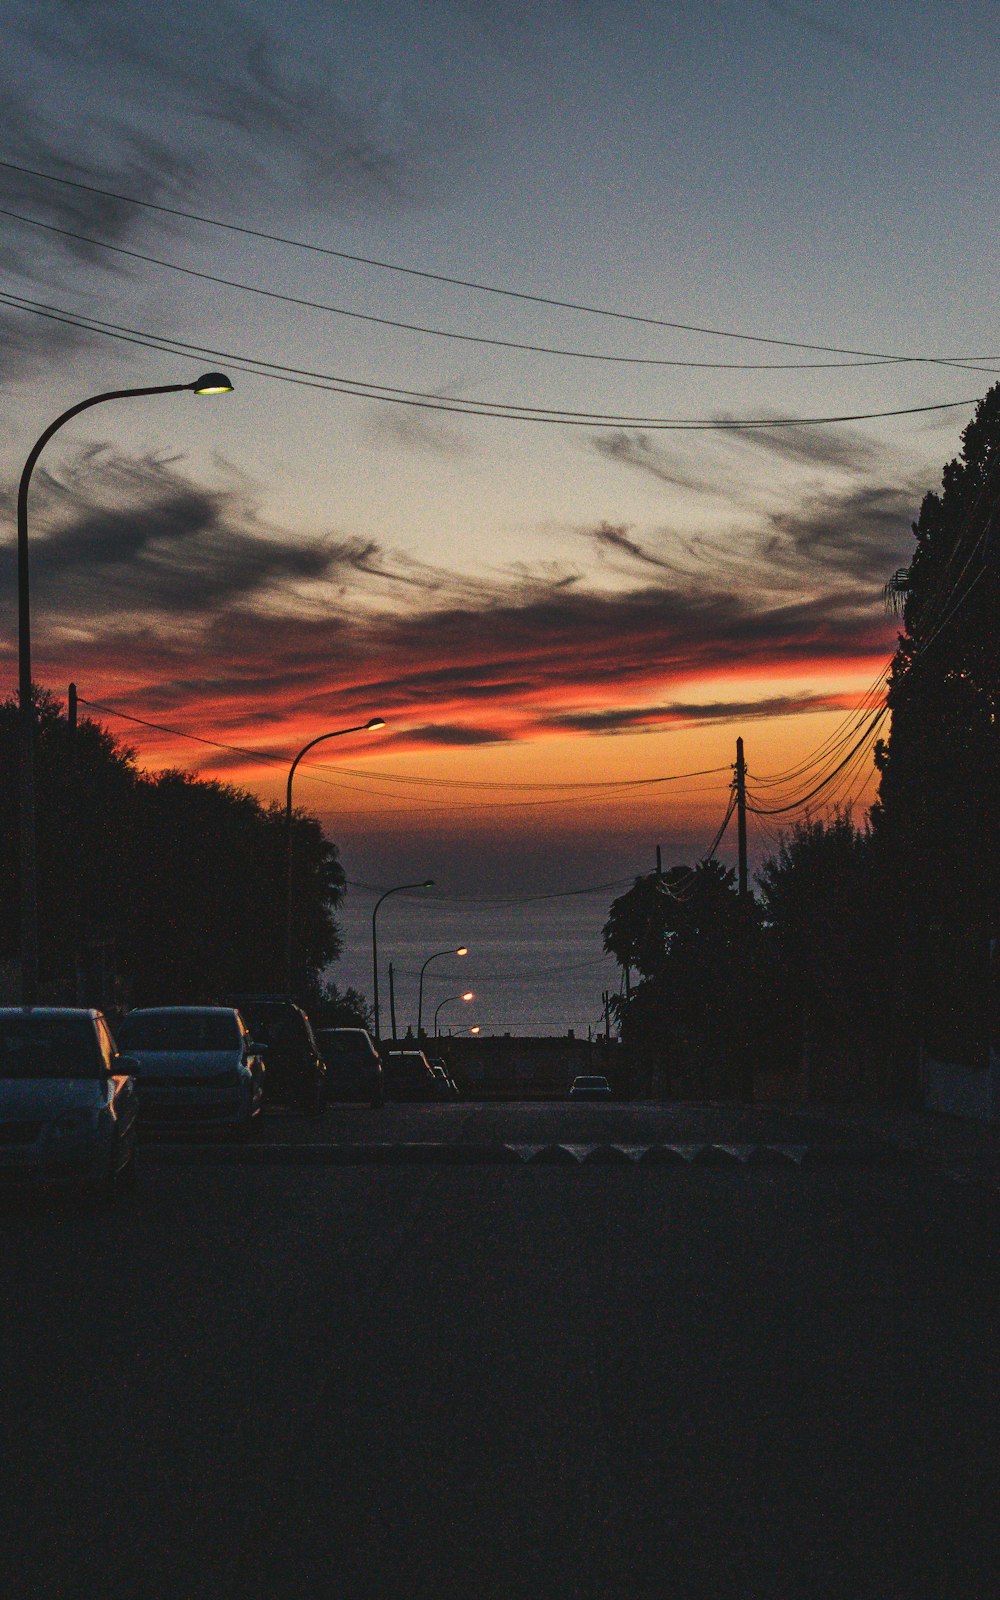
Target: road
277,1379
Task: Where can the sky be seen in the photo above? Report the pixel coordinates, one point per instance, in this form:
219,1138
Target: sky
565,625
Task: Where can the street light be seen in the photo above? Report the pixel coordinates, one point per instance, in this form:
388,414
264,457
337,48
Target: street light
461,951
364,727
428,883
209,383
468,995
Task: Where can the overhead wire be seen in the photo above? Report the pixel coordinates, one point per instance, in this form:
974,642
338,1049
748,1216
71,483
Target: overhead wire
468,283
508,411
608,790
398,324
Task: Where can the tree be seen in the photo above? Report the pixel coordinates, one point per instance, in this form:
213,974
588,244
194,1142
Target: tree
938,811
829,942
170,884
695,943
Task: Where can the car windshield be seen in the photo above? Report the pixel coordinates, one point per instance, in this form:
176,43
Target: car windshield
591,1083
179,1030
49,1047
344,1047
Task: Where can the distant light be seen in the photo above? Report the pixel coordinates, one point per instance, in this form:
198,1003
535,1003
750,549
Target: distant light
462,950
475,1029
376,722
213,383
468,995
428,883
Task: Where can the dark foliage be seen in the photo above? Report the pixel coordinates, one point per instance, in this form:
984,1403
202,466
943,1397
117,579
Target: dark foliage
938,812
157,887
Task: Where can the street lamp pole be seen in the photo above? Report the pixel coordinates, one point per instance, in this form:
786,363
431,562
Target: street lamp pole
468,995
428,883
461,951
210,383
338,733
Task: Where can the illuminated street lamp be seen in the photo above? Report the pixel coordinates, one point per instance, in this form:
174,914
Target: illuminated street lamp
364,727
468,995
461,951
476,1029
428,883
209,383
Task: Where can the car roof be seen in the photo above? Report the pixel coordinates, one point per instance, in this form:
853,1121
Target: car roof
49,1011
183,1011
591,1079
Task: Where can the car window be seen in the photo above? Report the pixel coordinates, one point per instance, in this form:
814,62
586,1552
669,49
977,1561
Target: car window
179,1030
49,1047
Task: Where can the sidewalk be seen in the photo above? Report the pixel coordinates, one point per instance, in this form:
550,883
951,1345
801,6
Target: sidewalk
956,1143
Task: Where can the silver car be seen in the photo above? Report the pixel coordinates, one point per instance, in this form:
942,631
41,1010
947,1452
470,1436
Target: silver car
194,1066
67,1101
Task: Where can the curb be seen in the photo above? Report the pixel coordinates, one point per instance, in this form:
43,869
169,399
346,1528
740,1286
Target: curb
497,1153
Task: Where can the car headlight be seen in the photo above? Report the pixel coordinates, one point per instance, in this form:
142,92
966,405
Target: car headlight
79,1120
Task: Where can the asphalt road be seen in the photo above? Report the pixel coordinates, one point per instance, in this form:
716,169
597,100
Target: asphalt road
503,1380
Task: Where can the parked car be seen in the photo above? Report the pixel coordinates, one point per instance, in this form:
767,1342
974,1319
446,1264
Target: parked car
195,1066
353,1065
67,1101
408,1075
296,1072
590,1088
446,1089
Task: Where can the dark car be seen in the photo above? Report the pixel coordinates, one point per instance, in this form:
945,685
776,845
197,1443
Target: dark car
295,1072
353,1065
67,1101
446,1089
408,1075
590,1088
194,1066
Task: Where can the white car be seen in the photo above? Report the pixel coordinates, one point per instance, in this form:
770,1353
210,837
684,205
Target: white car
194,1066
67,1101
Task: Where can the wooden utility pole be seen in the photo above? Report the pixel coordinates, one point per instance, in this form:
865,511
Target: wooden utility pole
741,816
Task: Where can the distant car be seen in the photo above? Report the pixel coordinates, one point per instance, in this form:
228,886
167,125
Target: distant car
408,1075
590,1088
67,1101
196,1066
353,1065
296,1072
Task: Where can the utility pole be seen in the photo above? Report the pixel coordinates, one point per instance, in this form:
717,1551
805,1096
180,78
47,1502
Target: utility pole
75,896
741,816
607,1016
659,862
392,1000
71,709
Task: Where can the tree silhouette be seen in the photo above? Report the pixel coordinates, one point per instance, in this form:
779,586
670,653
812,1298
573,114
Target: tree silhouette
157,887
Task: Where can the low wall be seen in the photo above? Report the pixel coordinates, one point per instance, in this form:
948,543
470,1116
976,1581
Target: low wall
972,1092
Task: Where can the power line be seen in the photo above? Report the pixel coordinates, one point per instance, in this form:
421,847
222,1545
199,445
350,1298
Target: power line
422,400
607,790
480,900
876,719
467,283
449,333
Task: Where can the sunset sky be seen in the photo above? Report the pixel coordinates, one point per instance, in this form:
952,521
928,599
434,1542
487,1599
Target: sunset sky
525,603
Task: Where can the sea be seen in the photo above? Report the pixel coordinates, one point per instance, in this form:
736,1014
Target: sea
534,968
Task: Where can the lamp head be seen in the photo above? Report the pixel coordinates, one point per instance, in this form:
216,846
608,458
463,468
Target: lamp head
462,950
428,883
212,383
376,722
475,1029
468,995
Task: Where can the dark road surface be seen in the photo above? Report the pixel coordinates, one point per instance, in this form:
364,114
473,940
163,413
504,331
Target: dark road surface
503,1381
